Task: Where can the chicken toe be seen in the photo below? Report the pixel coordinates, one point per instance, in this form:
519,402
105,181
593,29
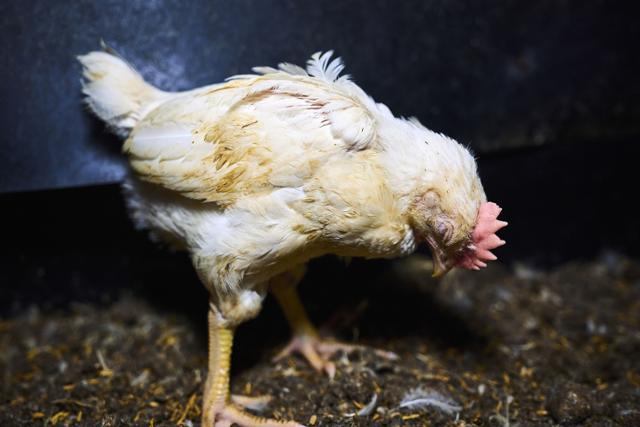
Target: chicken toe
317,352
253,403
306,341
229,415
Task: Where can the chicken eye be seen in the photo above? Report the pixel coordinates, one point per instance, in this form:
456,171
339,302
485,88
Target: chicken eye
445,230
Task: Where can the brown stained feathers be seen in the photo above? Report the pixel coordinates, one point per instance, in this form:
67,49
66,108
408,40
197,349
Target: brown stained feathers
246,137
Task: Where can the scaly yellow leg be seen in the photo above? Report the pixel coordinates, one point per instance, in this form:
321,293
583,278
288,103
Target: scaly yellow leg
289,301
219,409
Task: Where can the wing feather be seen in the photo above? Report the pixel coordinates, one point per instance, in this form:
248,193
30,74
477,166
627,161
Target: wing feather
249,136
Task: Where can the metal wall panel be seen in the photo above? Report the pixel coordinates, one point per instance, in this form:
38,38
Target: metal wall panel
493,74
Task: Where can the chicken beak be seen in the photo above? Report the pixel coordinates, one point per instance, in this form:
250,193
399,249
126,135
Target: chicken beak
441,265
439,269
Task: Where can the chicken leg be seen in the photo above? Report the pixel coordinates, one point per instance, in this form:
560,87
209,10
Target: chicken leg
219,408
306,339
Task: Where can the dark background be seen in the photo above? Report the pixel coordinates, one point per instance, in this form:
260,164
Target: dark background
544,92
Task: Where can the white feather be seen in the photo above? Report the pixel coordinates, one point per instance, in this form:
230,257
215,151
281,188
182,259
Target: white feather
292,69
420,398
115,92
164,142
320,67
264,70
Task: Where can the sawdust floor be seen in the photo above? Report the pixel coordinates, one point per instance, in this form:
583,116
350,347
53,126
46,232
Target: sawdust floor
504,347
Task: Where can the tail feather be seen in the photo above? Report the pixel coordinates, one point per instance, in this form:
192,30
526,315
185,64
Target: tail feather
115,92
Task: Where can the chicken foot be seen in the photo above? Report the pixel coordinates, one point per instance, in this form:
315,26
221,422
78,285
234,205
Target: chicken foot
219,407
306,340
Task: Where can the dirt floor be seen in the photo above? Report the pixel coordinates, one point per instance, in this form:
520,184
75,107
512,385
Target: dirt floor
505,347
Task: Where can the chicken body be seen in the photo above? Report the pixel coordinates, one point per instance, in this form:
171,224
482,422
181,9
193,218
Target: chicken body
256,176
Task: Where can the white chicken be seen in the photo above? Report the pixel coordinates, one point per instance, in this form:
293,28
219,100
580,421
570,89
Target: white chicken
256,176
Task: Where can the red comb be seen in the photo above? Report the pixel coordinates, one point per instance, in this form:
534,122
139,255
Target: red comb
484,238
